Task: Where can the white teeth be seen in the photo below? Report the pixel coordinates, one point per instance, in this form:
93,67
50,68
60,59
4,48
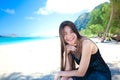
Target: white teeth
71,39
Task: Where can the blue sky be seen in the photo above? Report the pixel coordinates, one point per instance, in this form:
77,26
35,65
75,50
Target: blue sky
40,17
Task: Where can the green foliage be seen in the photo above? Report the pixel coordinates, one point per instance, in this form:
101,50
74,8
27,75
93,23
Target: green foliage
92,30
100,15
87,32
97,20
95,29
115,25
114,31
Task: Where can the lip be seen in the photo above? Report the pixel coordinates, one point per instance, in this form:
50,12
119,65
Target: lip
70,40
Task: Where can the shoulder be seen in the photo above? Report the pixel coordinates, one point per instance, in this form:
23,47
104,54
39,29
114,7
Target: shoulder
87,43
90,46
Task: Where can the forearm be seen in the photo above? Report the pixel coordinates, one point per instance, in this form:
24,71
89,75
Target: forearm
68,66
70,73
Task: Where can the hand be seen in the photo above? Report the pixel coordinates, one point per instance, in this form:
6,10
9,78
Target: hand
57,77
64,78
70,48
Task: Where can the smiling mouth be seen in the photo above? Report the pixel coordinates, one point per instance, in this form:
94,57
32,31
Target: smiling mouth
71,39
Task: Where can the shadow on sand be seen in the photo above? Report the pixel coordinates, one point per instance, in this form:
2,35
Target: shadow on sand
114,67
20,76
115,70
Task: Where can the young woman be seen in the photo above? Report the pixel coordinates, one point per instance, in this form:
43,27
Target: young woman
80,57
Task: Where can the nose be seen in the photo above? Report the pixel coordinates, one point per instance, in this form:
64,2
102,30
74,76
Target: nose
69,36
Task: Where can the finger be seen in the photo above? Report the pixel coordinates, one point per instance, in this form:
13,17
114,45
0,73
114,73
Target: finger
74,44
74,49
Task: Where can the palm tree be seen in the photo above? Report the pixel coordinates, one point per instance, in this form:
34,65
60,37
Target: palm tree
114,20
110,20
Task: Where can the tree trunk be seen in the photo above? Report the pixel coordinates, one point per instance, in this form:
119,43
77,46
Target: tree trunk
108,25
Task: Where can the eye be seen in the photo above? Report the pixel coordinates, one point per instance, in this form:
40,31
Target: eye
64,33
71,31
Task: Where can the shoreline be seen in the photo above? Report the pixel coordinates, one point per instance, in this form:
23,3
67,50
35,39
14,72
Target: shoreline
30,57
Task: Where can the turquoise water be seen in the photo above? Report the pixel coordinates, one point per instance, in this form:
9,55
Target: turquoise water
11,40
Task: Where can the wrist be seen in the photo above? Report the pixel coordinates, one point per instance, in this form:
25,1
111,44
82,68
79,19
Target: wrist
68,52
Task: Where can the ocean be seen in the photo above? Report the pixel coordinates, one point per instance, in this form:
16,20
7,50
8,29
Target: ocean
12,40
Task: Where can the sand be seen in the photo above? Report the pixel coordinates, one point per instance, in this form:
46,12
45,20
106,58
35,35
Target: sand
42,58
30,57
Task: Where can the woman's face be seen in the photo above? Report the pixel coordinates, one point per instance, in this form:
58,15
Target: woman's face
69,36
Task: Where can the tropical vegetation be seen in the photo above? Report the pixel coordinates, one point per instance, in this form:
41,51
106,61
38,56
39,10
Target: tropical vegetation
103,21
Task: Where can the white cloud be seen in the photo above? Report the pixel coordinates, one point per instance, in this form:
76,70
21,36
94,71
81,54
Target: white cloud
30,18
43,11
68,6
9,11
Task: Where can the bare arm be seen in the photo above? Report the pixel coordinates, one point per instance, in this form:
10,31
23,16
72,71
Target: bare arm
68,66
85,60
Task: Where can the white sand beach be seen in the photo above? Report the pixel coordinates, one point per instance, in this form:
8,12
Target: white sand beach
110,51
30,57
44,56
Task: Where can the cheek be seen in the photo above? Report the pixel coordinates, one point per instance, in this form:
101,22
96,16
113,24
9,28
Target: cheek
75,36
65,38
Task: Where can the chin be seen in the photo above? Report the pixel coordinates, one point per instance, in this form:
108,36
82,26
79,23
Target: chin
71,43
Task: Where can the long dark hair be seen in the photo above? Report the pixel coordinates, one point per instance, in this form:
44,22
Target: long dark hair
63,44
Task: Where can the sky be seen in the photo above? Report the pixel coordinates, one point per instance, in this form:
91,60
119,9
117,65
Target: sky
40,17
